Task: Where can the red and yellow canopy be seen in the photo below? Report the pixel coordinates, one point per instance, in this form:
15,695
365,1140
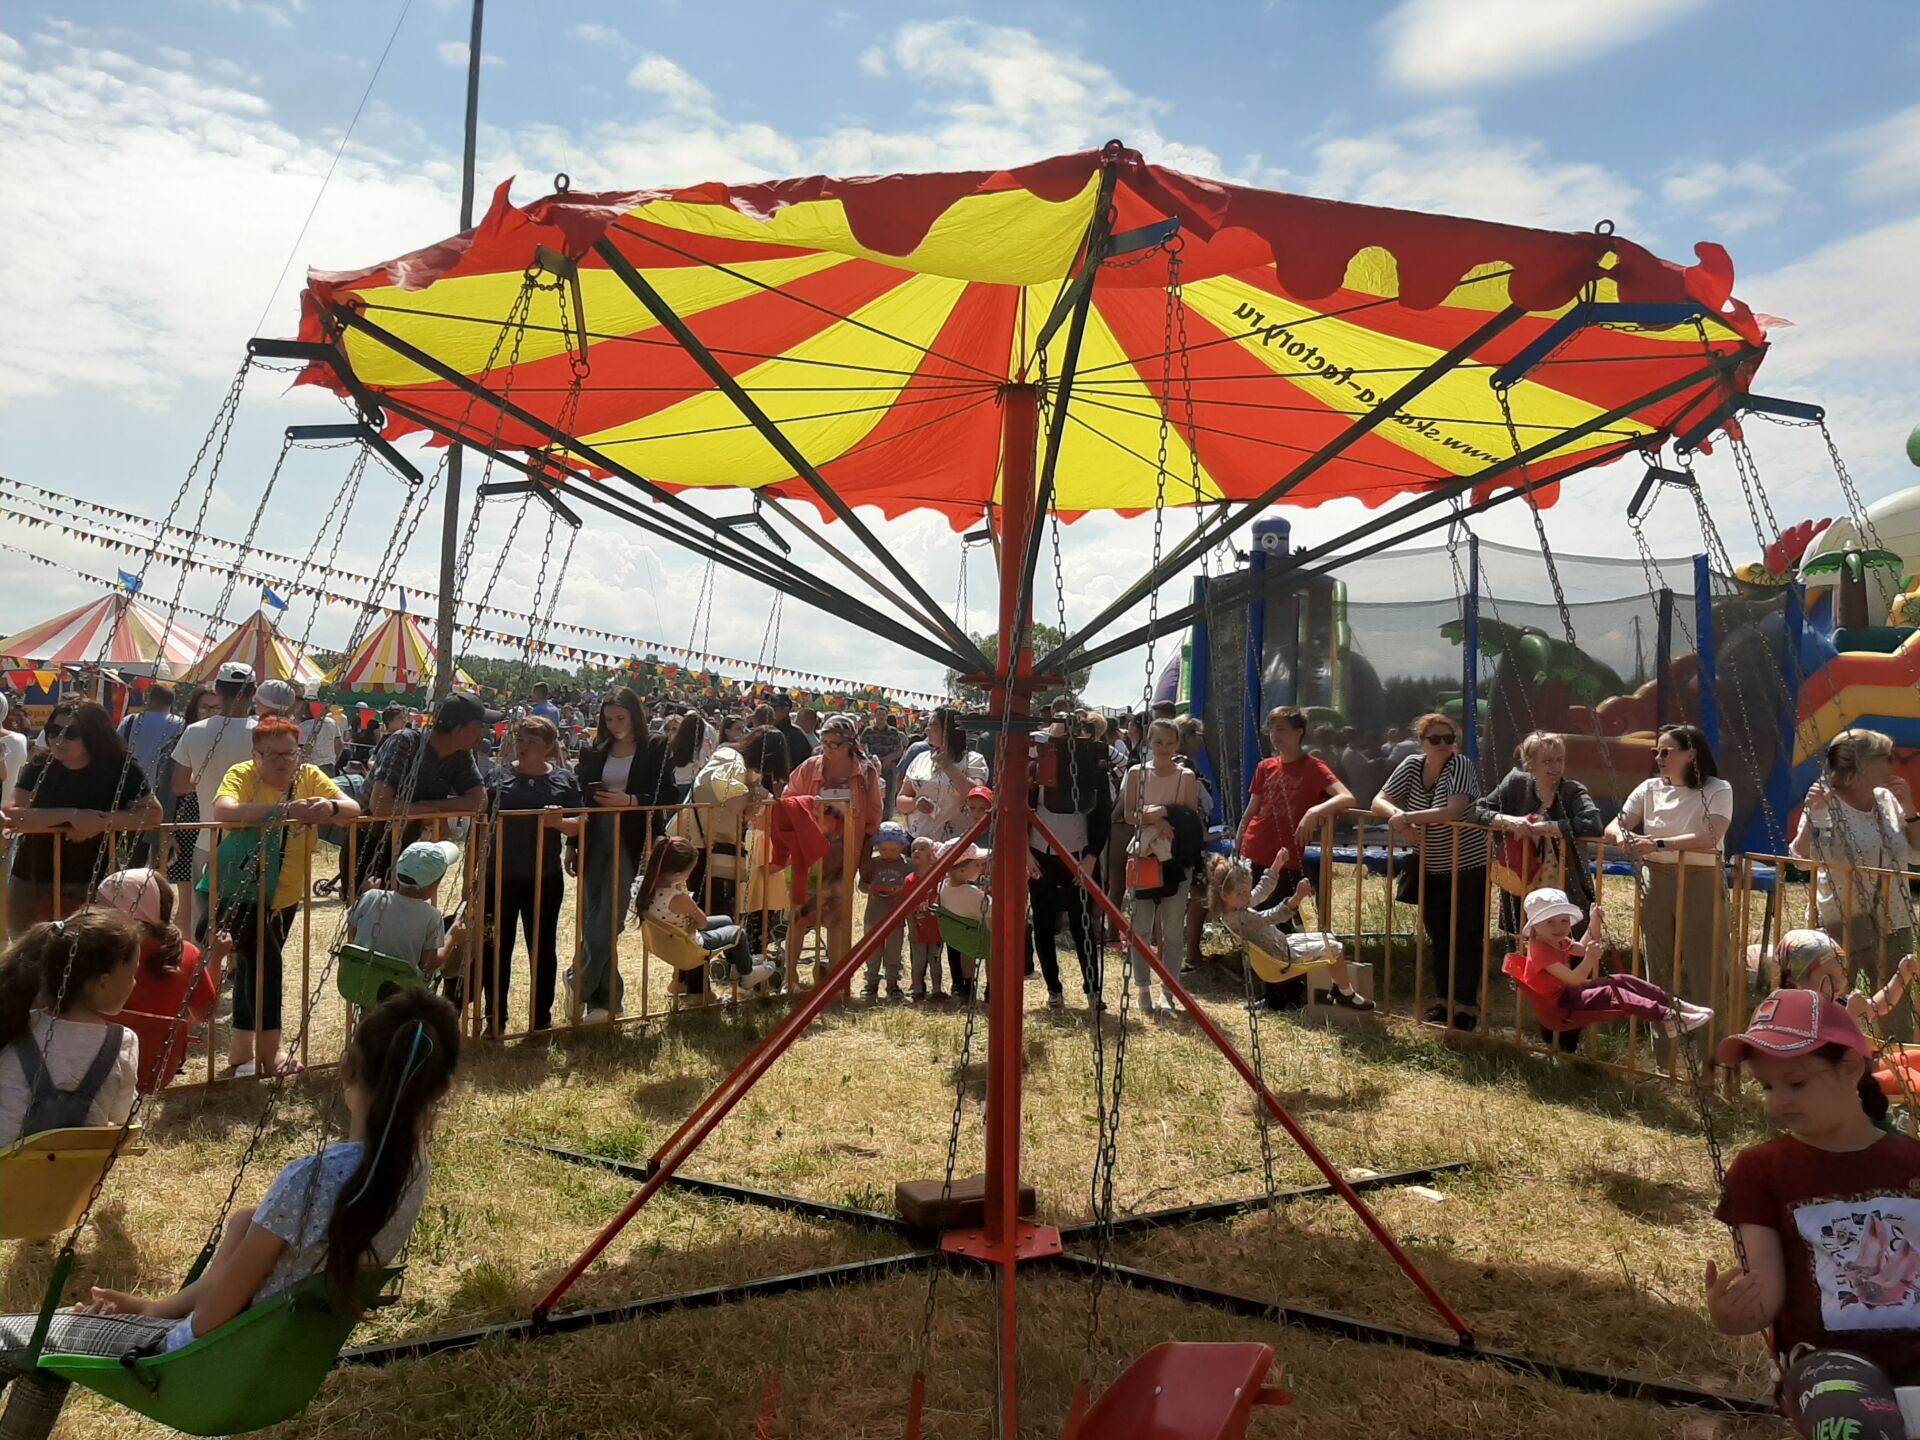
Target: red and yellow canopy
877,319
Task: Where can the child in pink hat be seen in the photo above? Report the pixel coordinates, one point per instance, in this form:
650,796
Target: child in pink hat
1828,1216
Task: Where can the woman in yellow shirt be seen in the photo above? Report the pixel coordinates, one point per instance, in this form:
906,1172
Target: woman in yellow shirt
274,779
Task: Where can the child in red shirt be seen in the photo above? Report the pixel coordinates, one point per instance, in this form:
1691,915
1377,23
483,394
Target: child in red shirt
173,976
1828,1216
1561,973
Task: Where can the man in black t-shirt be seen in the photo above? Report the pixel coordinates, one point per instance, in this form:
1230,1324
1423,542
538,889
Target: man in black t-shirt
799,747
440,767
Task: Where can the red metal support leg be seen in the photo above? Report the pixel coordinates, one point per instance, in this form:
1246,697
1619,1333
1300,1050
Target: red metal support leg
1006,1008
707,1117
1274,1108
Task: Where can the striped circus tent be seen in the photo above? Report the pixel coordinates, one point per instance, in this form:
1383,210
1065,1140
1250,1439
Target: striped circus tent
398,658
118,629
256,642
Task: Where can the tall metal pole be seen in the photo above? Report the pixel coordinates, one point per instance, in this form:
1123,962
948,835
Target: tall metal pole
1006,990
450,514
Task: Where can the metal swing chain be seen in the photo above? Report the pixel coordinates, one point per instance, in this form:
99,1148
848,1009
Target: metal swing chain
1106,1159
924,1346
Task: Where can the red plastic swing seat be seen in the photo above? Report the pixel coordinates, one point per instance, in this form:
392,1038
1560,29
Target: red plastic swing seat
1552,1017
1184,1392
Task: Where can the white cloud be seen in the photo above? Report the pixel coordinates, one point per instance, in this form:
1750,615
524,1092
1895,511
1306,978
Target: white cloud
1741,196
1445,161
873,60
657,75
599,35
454,53
1885,155
1446,45
175,57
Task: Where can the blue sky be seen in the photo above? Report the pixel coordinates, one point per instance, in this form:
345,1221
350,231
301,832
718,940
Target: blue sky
159,159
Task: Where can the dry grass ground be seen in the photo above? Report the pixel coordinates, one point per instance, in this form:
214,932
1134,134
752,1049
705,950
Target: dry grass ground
1579,1233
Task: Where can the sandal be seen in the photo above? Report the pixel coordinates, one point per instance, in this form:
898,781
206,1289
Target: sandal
1347,999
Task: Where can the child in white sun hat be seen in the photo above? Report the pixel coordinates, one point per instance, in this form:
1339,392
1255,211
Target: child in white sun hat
1561,973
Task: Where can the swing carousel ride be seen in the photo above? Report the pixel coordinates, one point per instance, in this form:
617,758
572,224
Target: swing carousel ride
1019,347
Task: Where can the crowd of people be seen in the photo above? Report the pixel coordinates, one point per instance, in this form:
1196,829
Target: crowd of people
671,814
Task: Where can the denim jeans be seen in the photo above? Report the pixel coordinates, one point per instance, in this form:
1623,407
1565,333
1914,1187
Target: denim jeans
606,879
1163,924
720,937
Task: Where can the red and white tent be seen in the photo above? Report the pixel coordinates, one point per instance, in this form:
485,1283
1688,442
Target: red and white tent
118,629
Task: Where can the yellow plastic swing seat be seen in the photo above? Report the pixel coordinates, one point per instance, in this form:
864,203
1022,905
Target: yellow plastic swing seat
965,934
1184,1392
674,945
47,1179
1274,969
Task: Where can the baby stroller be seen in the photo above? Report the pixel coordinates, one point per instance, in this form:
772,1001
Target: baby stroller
354,787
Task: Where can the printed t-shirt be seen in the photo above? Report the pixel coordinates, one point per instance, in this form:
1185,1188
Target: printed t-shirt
888,877
1286,789
13,758
1849,1225
100,784
242,784
298,1208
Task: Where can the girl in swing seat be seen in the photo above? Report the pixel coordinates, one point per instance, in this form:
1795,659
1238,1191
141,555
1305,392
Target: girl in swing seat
354,1203
1561,973
66,1062
1828,1215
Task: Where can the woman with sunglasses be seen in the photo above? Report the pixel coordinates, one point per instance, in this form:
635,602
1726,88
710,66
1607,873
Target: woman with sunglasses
83,787
1672,827
1425,794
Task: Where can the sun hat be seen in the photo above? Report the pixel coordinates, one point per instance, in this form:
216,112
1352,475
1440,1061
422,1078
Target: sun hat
1793,1022
1801,952
137,892
426,862
967,853
1548,904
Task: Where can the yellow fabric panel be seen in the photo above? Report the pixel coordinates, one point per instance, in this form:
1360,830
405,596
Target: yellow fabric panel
611,309
1109,450
704,440
1009,237
1455,424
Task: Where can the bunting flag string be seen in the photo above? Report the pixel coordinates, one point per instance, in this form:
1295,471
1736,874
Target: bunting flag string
72,506
639,657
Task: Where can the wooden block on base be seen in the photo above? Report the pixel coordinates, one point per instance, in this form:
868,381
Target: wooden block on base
964,1207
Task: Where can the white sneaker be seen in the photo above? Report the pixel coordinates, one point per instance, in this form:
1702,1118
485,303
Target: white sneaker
594,1015
759,977
1144,1000
1692,1017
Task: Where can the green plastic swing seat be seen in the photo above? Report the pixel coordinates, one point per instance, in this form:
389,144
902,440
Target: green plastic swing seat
367,978
970,937
262,1367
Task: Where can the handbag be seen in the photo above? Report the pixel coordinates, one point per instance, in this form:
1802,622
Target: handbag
1516,863
239,864
1144,874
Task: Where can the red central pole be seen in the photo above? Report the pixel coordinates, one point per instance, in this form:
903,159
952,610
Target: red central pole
1006,1008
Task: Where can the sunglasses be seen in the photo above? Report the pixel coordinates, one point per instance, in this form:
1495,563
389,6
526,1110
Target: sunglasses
57,733
278,754
1439,739
835,742
1659,750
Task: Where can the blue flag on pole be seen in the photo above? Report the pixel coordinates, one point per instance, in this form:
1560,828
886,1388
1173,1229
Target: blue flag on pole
132,582
267,597
403,600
